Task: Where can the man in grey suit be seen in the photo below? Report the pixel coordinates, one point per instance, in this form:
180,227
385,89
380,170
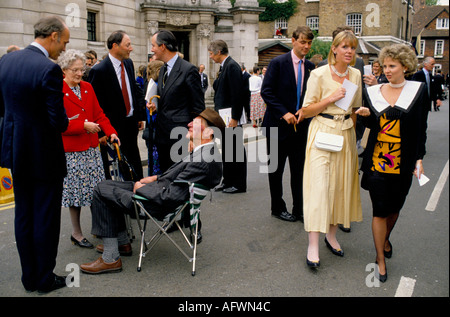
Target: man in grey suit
31,104
181,96
164,194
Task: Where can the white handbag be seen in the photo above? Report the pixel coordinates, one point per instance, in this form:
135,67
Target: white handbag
329,142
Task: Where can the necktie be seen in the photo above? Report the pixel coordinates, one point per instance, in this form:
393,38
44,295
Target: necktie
299,83
427,78
165,75
126,98
220,71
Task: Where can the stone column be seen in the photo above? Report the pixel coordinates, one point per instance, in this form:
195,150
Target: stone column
245,31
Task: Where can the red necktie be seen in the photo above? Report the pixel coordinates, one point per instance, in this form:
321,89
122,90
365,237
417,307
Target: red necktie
126,99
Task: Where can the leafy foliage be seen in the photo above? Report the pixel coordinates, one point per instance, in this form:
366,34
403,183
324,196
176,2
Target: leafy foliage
319,47
276,10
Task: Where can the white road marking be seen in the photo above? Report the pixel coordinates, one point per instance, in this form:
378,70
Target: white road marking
405,287
434,198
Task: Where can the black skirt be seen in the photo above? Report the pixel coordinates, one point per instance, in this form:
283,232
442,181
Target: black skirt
387,191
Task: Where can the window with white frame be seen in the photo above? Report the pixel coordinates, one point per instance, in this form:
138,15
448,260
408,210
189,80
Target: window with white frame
439,48
281,23
354,20
442,23
421,51
313,23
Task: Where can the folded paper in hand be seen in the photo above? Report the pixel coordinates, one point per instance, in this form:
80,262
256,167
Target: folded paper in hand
422,178
226,116
329,142
350,90
152,89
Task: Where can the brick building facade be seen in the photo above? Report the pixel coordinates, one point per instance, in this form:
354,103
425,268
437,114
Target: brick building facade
430,34
377,23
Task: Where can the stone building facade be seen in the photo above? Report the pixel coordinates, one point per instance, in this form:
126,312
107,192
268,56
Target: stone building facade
194,22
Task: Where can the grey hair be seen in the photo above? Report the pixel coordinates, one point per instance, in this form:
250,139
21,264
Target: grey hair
46,26
218,46
68,57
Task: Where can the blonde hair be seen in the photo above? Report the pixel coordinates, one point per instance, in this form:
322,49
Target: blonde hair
338,39
153,68
401,53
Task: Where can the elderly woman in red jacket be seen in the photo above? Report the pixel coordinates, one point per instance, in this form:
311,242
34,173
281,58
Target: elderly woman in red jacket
86,119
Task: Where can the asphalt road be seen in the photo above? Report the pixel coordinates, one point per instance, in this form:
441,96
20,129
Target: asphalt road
247,253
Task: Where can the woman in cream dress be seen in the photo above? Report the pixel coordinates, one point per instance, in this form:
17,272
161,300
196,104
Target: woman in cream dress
330,182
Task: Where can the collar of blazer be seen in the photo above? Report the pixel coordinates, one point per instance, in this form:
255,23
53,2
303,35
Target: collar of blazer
70,95
174,74
290,73
113,76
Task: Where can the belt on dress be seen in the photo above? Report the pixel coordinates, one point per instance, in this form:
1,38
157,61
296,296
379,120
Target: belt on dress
335,117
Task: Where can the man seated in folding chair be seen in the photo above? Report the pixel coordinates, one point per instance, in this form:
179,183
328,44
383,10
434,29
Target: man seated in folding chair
163,193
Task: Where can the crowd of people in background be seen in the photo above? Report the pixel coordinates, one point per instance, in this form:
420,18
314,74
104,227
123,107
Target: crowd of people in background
320,107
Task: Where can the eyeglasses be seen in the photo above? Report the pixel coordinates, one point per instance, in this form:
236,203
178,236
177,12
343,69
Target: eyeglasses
76,70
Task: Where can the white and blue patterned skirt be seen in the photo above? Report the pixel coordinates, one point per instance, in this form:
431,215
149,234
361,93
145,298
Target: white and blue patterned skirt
84,172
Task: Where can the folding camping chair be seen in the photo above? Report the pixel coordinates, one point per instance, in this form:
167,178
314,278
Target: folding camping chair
197,193
121,170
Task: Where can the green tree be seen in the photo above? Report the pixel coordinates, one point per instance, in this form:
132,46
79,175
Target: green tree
275,10
319,47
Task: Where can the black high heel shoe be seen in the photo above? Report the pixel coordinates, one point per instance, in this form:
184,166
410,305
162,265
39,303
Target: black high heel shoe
312,264
381,277
388,254
84,243
338,252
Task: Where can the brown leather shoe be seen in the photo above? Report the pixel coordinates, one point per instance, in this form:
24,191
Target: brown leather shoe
124,249
100,266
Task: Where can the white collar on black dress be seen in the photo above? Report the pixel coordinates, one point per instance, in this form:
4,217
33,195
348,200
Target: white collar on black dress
404,101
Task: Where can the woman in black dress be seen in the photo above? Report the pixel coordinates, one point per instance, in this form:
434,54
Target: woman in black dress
396,144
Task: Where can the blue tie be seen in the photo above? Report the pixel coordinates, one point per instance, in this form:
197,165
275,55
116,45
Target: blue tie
299,83
427,78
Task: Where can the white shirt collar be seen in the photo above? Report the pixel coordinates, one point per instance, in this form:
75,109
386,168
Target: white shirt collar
223,62
171,62
116,63
404,101
202,145
39,46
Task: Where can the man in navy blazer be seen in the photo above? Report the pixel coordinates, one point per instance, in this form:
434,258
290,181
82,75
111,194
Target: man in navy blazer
279,91
31,104
106,79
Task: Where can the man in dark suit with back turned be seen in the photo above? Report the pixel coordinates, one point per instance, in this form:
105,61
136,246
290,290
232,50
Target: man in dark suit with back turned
120,97
284,97
31,104
228,94
181,96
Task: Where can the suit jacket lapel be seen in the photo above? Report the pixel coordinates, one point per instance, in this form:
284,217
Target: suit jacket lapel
174,74
130,74
112,75
306,75
290,74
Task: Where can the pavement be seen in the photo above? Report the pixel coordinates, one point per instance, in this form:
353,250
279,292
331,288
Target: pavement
247,256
